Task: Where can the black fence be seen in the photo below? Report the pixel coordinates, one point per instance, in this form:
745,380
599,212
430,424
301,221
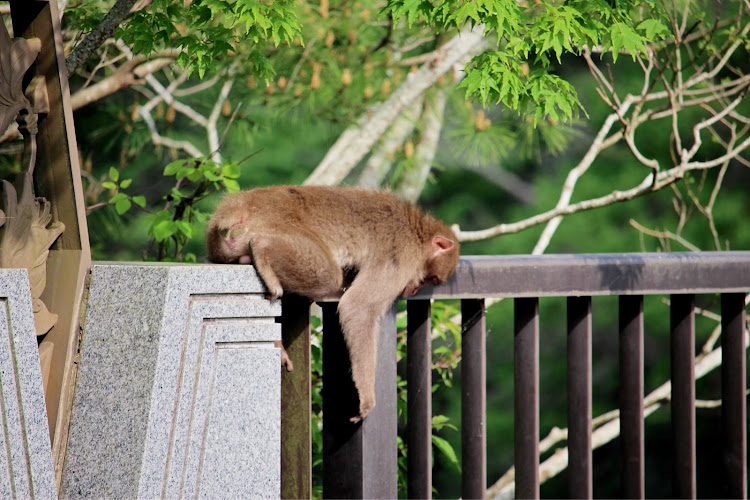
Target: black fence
359,460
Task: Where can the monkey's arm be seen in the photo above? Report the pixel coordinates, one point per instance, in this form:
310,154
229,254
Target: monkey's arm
360,310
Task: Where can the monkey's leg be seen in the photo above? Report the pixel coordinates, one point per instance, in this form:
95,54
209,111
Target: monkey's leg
360,310
295,262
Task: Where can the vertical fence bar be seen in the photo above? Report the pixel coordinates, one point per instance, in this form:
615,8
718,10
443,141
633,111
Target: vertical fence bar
580,478
526,397
296,454
682,359
733,404
380,427
359,460
419,399
342,440
631,395
473,400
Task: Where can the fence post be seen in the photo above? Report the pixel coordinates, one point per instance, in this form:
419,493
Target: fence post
580,469
733,397
682,368
419,399
359,460
296,453
526,398
631,395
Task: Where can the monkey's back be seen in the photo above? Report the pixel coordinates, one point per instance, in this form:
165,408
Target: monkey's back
353,219
333,209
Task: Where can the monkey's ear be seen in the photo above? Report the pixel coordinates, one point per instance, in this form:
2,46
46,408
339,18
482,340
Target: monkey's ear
235,232
441,244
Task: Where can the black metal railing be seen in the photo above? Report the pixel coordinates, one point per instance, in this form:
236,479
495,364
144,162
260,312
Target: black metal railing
360,459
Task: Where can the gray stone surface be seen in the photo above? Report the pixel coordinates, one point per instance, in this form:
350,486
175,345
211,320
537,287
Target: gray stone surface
26,469
178,388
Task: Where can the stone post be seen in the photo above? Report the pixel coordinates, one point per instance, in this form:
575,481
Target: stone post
178,388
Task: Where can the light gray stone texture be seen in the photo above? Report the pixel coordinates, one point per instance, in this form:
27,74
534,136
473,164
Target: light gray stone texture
26,469
178,388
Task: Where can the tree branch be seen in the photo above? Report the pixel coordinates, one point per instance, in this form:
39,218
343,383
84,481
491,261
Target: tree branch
106,29
663,179
424,153
128,74
358,139
381,159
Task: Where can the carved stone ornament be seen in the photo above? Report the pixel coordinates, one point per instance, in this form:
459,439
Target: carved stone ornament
27,230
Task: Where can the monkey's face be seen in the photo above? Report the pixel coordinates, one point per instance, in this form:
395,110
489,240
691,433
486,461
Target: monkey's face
413,288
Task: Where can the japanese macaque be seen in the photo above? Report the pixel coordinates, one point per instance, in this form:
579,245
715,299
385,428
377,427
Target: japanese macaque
311,240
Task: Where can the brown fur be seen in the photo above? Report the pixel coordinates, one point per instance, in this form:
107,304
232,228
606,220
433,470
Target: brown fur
305,240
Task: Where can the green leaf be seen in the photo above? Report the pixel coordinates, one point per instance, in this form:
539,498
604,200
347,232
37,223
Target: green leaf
185,228
140,201
193,175
109,185
440,421
174,167
164,229
232,185
654,29
126,183
624,37
123,206
211,176
447,450
231,170
117,198
114,174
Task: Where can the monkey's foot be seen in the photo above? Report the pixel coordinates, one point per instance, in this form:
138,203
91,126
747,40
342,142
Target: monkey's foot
245,259
286,362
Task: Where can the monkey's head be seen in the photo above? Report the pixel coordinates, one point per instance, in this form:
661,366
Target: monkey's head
440,262
229,244
443,259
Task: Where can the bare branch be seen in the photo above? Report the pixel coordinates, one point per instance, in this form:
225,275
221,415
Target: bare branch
597,146
128,74
664,235
663,179
213,119
502,178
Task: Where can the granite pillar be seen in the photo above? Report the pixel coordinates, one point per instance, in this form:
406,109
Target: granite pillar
178,387
26,469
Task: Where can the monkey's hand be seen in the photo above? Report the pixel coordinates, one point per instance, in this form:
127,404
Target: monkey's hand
365,405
